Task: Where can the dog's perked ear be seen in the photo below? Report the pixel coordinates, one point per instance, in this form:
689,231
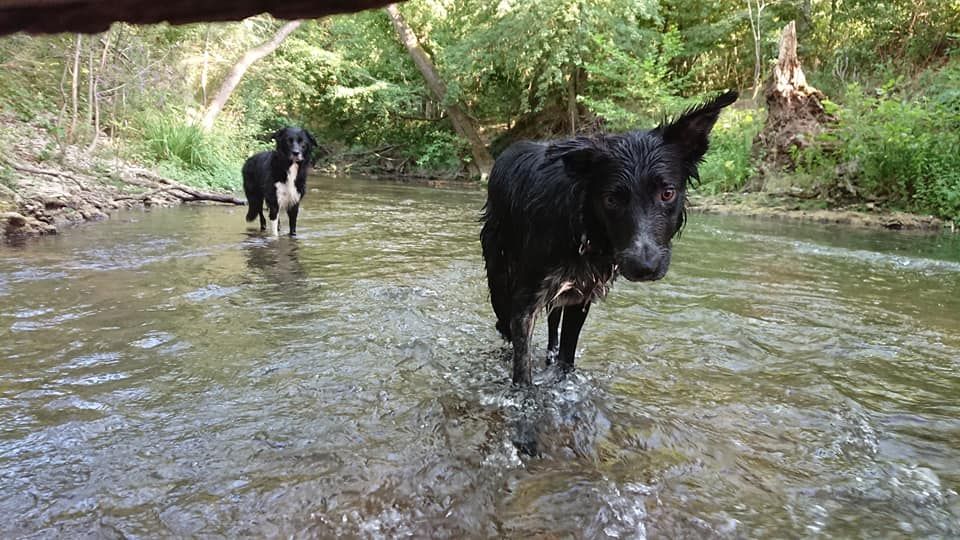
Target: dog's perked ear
313,142
689,132
581,156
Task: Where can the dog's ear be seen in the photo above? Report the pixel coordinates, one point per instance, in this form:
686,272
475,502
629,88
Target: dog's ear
582,156
278,134
313,142
690,131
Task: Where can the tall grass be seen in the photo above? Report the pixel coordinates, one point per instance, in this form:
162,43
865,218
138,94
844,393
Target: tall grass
181,149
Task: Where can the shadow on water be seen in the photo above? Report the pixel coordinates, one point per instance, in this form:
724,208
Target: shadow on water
166,374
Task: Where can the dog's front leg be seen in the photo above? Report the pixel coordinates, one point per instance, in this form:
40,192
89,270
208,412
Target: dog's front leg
274,219
553,334
573,317
521,326
292,213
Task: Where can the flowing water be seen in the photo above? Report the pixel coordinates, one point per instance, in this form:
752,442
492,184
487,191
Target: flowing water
169,374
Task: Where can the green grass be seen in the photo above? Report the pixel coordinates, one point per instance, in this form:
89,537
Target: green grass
187,153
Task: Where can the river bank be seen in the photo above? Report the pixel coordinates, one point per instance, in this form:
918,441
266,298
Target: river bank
45,186
784,207
757,205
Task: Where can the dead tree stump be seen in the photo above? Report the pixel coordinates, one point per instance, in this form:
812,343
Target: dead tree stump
795,114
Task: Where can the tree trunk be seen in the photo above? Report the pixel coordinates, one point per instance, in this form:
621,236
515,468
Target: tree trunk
94,94
238,70
572,100
91,51
462,123
75,88
64,103
755,30
795,114
206,67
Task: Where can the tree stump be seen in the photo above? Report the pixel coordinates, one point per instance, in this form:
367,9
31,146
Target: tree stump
795,114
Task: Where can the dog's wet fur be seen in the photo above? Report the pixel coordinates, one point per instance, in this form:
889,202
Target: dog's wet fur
563,219
278,178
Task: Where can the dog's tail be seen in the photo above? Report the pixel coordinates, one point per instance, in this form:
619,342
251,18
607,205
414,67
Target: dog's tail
498,278
252,211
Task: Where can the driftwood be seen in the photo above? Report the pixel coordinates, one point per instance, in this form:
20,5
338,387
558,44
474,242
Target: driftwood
190,194
145,195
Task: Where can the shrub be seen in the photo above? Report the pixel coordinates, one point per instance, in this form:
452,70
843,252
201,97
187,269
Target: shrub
728,165
902,147
439,151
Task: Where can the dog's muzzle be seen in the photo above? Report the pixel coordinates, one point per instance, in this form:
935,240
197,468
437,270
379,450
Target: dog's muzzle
644,263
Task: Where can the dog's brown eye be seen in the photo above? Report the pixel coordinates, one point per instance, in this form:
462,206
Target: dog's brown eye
610,200
668,195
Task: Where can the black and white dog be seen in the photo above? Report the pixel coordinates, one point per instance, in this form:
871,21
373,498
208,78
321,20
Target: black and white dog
564,218
279,177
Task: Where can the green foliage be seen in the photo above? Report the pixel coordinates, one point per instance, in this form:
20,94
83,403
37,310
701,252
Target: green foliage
439,151
184,150
31,68
515,63
728,164
529,50
901,147
629,90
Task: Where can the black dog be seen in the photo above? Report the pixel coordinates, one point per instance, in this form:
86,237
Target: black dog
563,219
279,177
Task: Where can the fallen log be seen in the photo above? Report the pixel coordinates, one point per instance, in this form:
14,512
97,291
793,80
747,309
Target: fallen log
194,194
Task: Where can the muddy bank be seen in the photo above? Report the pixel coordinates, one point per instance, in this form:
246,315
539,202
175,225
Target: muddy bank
438,182
44,188
41,193
772,206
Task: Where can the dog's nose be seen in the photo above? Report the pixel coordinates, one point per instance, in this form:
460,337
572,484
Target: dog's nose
641,263
638,271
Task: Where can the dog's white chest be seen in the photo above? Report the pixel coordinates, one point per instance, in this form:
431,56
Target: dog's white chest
287,194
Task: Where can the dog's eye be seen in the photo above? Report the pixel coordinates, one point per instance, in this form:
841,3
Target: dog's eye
668,195
611,200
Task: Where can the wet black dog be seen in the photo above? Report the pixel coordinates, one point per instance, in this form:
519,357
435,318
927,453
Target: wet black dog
563,219
279,178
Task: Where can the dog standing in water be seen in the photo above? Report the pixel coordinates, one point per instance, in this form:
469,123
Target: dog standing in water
564,218
279,178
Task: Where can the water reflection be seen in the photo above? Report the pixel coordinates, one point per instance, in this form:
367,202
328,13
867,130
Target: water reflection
274,259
